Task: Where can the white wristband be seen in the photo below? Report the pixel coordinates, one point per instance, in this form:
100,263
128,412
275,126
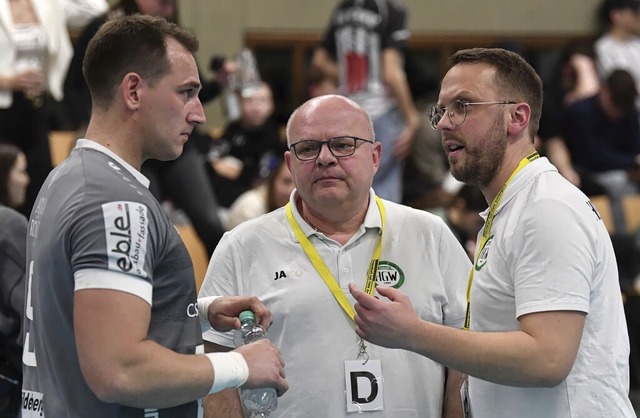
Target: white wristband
203,311
230,370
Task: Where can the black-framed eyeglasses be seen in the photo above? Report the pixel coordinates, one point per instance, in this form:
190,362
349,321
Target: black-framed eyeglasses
340,146
456,111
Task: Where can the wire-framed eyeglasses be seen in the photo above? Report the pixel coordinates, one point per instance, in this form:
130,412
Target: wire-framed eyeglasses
456,111
340,146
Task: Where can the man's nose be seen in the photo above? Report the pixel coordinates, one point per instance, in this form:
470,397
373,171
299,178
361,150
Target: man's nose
325,156
197,116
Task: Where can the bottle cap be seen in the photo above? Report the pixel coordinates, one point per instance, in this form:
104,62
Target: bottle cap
247,315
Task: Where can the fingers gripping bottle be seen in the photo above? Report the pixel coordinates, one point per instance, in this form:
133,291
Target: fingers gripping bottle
258,403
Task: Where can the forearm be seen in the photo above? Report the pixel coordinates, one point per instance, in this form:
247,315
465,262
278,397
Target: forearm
121,364
225,404
395,79
507,358
154,376
323,63
559,154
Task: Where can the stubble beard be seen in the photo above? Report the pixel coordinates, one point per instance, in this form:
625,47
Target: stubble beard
483,162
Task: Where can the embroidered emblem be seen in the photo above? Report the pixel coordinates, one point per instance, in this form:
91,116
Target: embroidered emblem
389,275
484,254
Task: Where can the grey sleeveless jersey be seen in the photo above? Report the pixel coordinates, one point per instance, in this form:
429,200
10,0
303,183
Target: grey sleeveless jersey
93,213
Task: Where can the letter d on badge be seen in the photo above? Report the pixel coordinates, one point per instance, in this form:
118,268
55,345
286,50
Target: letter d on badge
364,385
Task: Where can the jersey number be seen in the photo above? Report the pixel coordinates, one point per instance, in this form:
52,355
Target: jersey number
29,357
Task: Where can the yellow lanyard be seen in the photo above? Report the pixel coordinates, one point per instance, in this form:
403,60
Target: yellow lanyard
486,232
324,271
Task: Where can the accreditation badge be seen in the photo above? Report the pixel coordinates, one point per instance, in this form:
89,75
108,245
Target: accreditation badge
364,385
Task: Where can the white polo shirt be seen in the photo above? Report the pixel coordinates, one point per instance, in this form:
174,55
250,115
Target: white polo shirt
551,252
420,256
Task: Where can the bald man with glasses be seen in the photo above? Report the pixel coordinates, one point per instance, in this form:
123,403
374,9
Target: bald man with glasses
300,259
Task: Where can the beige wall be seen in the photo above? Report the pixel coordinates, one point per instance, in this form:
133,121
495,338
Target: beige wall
220,24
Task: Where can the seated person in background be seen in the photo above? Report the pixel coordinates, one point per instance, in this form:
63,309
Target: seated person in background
602,137
575,78
240,158
13,234
262,199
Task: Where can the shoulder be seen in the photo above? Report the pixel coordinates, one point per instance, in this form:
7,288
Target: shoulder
552,193
408,217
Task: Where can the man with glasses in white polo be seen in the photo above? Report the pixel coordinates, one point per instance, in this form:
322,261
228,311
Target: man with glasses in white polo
545,332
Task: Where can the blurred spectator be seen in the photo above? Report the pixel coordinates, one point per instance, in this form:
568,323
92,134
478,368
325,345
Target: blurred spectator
242,157
36,51
14,177
463,216
363,47
602,135
320,83
619,46
13,235
576,78
262,199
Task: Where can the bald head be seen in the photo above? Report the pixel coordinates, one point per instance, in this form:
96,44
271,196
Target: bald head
336,113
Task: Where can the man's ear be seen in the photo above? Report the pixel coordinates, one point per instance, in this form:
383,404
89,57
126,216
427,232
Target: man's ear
131,89
520,115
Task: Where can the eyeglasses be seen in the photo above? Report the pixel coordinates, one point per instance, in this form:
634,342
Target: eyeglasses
340,146
456,111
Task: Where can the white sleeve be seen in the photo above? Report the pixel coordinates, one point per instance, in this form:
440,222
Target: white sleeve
220,280
93,278
552,258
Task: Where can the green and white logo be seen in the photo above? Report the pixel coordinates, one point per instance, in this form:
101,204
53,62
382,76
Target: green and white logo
389,275
484,254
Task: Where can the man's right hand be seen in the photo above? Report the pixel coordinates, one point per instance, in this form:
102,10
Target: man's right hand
266,367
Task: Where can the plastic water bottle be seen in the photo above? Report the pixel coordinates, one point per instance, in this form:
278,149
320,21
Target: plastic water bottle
261,402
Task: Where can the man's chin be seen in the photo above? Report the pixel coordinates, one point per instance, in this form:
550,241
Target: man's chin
330,194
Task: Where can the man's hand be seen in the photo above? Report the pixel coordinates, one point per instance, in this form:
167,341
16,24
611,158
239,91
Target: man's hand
266,367
223,312
228,167
386,323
